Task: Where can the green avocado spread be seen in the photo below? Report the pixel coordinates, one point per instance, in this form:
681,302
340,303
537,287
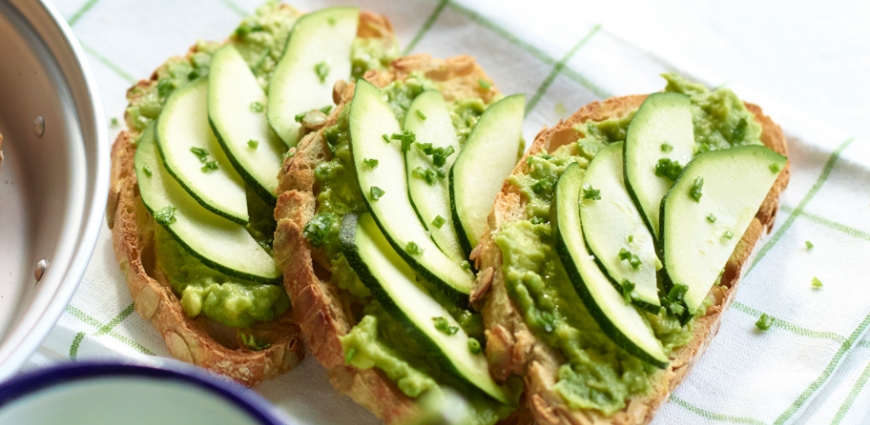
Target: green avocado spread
377,340
260,39
597,374
225,299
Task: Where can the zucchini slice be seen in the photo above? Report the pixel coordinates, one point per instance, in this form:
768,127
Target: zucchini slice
385,189
393,283
429,119
615,232
219,243
707,211
317,55
235,113
661,130
620,321
194,157
487,158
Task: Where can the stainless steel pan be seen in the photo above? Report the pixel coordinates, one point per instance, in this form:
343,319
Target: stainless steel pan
54,180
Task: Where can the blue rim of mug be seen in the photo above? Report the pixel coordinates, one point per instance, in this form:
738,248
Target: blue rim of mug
31,383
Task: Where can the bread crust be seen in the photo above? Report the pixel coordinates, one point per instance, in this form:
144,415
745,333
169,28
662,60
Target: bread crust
199,341
512,347
320,307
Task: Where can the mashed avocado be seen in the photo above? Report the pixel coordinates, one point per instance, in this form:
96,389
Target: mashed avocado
225,299
260,39
598,375
363,349
370,53
378,340
720,118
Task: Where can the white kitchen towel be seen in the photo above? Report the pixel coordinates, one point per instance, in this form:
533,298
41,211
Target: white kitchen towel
808,68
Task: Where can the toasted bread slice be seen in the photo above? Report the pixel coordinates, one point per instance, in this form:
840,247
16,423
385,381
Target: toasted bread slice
512,347
322,309
200,340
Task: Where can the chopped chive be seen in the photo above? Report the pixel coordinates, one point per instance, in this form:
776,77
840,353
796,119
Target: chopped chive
465,265
318,228
322,70
817,283
251,342
253,144
420,115
256,107
627,290
774,168
443,326
289,153
711,218
538,220
809,245
166,216
764,322
728,234
386,138
326,109
348,357
544,185
427,175
371,163
376,193
440,155
486,85
667,147
668,169
673,302
695,191
147,170
298,117
200,153
630,238
209,166
632,258
474,346
413,249
439,221
114,121
591,193
407,139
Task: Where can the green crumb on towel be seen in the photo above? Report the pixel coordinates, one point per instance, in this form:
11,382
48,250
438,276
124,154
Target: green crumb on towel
764,322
